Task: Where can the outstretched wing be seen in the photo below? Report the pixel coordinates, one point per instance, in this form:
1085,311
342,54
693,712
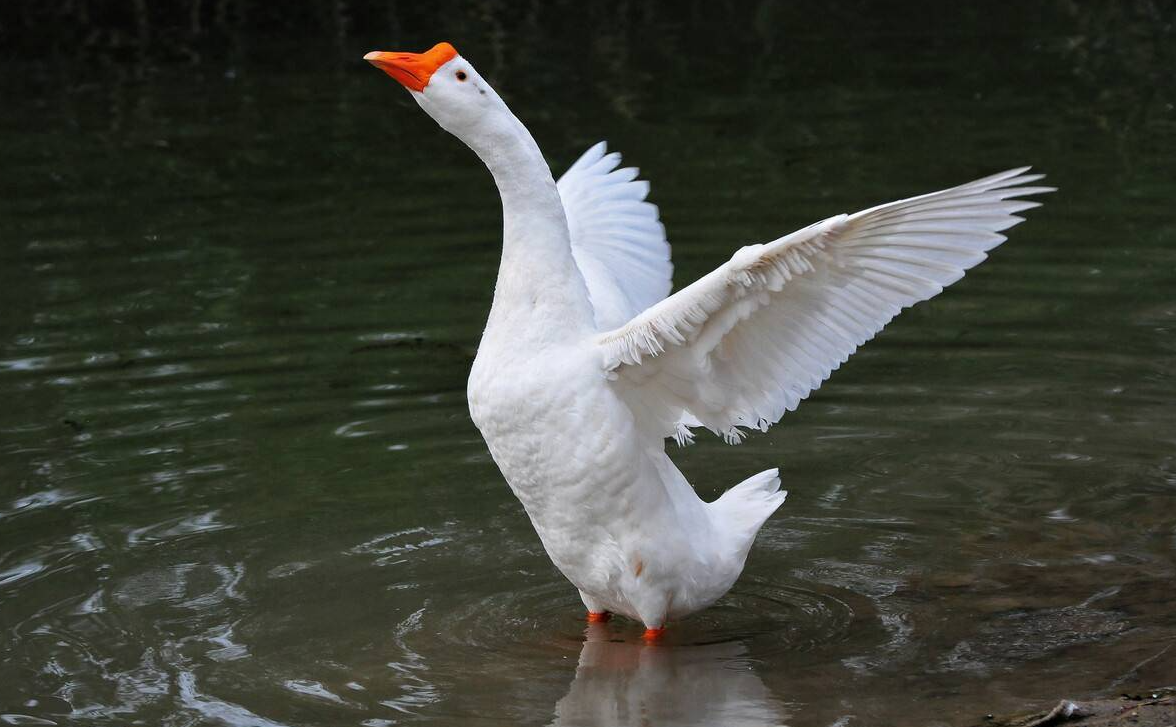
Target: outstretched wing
749,341
617,241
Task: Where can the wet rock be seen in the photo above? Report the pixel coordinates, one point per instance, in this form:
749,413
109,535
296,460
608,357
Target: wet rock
1019,636
1154,708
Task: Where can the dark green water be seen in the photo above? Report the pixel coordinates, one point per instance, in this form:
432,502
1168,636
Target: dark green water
239,300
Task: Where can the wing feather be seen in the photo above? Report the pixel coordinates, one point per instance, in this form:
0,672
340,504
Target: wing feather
617,240
749,341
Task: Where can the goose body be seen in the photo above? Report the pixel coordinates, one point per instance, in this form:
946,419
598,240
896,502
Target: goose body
587,365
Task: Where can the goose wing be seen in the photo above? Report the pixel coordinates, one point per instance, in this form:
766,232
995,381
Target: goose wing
617,240
747,342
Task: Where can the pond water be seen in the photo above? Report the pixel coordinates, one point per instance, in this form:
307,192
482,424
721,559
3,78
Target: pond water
239,299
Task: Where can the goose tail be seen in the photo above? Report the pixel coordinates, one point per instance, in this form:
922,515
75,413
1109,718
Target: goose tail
741,511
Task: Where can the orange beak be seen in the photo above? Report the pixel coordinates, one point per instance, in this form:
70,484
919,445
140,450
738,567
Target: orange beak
413,70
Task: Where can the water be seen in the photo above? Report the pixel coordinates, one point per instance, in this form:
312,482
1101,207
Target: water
238,483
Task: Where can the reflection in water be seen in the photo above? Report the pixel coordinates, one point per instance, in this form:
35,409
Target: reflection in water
217,711
625,683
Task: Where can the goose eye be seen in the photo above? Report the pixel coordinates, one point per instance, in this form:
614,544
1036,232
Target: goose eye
461,75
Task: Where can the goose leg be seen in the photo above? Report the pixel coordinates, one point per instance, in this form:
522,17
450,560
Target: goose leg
652,635
653,609
597,613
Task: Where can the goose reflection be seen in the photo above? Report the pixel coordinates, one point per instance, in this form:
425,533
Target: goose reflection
622,683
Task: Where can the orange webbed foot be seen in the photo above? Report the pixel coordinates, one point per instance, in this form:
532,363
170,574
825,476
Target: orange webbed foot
652,635
598,617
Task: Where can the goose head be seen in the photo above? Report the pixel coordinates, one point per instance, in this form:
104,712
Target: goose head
447,87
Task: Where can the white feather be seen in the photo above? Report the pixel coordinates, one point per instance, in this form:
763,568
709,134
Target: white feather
749,341
617,241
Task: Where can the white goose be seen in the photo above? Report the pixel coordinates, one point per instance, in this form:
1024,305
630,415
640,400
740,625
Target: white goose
586,367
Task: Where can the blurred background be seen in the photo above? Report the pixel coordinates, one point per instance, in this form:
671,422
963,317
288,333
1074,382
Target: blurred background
242,278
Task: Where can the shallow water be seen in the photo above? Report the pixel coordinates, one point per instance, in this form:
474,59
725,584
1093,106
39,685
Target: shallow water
238,482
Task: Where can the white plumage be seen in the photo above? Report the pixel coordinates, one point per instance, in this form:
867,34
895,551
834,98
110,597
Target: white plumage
618,242
586,367
746,343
